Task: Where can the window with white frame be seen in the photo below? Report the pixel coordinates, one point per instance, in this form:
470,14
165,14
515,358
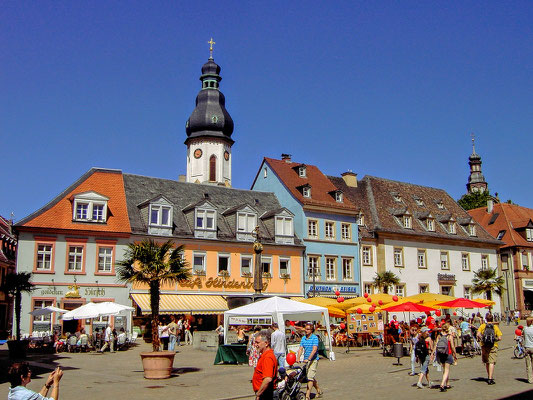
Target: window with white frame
484,262
284,266
525,260
330,268
400,290
421,258
446,290
529,234
423,288
90,207
246,222
465,261
444,260
338,197
105,259
406,221
82,211
306,191
347,269
398,257
266,265
472,230
42,322
368,288
329,230
451,228
467,292
360,219
313,268
367,255
44,257
75,258
430,224
312,228
246,265
160,215
284,226
205,219
346,232
302,173
198,266
223,264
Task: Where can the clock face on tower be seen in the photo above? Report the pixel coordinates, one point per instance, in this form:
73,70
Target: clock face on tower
197,153
226,156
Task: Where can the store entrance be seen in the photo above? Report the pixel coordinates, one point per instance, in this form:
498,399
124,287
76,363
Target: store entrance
74,325
528,299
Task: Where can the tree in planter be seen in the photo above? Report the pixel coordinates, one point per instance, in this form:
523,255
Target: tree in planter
14,285
487,281
383,280
153,263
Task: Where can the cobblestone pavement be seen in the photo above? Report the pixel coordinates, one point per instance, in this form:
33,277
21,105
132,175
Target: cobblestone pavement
359,373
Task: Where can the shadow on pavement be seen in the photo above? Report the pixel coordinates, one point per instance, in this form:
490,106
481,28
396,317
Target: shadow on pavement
185,370
479,379
522,380
528,394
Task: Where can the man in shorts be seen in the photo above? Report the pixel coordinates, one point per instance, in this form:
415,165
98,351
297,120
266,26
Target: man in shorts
309,348
489,351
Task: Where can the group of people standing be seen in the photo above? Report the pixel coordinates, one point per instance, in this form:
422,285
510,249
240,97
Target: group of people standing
437,343
172,333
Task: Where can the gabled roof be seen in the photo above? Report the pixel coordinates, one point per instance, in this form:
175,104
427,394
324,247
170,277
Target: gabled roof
57,214
321,186
505,217
373,194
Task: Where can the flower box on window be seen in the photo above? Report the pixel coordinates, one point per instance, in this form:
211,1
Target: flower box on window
267,275
285,276
224,274
247,274
199,272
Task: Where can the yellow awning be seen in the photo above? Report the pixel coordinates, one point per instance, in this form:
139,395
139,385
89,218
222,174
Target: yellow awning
182,303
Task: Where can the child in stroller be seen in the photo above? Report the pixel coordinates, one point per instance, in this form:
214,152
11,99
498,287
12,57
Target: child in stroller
290,383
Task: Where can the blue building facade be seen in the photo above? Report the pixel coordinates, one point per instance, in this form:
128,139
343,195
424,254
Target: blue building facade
324,219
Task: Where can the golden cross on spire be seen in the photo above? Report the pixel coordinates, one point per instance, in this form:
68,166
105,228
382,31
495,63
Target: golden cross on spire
211,43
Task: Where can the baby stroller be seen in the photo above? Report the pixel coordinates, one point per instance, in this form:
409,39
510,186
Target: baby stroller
290,383
468,348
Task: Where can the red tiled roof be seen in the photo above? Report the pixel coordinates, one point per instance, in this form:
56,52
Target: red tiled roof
505,217
321,186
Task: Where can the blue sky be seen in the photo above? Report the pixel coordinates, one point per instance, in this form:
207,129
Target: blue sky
391,88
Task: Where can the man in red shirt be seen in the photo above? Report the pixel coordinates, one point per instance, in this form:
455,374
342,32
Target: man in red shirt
267,367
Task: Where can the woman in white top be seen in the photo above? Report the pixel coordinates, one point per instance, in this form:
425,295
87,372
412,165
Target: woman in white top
162,330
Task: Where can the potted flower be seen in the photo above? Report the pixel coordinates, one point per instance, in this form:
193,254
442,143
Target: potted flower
267,275
153,263
224,274
247,274
285,276
14,285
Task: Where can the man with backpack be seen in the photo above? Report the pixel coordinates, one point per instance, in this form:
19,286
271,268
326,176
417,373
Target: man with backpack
489,334
423,349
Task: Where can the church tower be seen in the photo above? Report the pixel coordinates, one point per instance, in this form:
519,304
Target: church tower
209,130
476,180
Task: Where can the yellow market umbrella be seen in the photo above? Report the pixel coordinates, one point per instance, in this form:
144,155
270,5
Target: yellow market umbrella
485,301
375,298
330,304
427,297
364,307
434,304
349,303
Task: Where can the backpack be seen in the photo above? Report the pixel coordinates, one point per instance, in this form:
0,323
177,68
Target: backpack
442,345
489,336
421,350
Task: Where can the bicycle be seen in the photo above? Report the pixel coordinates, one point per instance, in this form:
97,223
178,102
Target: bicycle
519,351
476,345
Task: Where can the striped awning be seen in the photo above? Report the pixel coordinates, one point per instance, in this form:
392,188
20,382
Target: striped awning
183,303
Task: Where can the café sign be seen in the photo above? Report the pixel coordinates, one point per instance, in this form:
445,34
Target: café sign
448,278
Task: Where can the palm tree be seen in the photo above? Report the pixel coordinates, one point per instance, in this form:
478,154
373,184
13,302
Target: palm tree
14,285
153,263
488,281
383,280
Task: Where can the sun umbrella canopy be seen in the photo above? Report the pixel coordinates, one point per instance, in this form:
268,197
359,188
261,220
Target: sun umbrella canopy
462,303
425,297
46,310
485,301
331,304
365,308
408,306
95,310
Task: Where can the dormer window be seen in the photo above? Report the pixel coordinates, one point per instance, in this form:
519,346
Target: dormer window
430,224
419,201
472,230
160,215
360,219
338,197
406,221
302,171
529,234
205,219
440,205
283,226
397,198
452,228
90,207
246,222
306,191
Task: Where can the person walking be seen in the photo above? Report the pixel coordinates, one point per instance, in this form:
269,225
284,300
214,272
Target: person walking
179,330
413,338
187,329
163,334
309,348
19,375
278,344
527,333
109,340
489,334
252,351
464,327
172,333
424,351
446,355
266,369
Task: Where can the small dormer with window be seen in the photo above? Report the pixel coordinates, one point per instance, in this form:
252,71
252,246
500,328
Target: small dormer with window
525,229
397,197
452,227
472,229
419,201
337,195
360,218
407,220
160,213
430,223
440,205
306,190
302,170
284,227
246,222
205,220
89,207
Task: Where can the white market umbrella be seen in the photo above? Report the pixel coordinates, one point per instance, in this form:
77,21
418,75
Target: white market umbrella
110,308
46,310
85,311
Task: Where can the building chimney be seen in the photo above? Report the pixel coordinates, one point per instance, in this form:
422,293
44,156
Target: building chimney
182,178
490,205
350,178
286,157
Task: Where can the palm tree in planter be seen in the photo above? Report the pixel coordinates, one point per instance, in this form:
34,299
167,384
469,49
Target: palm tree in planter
14,285
487,281
383,280
153,264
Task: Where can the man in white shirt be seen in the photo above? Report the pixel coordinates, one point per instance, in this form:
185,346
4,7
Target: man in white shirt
277,343
108,339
